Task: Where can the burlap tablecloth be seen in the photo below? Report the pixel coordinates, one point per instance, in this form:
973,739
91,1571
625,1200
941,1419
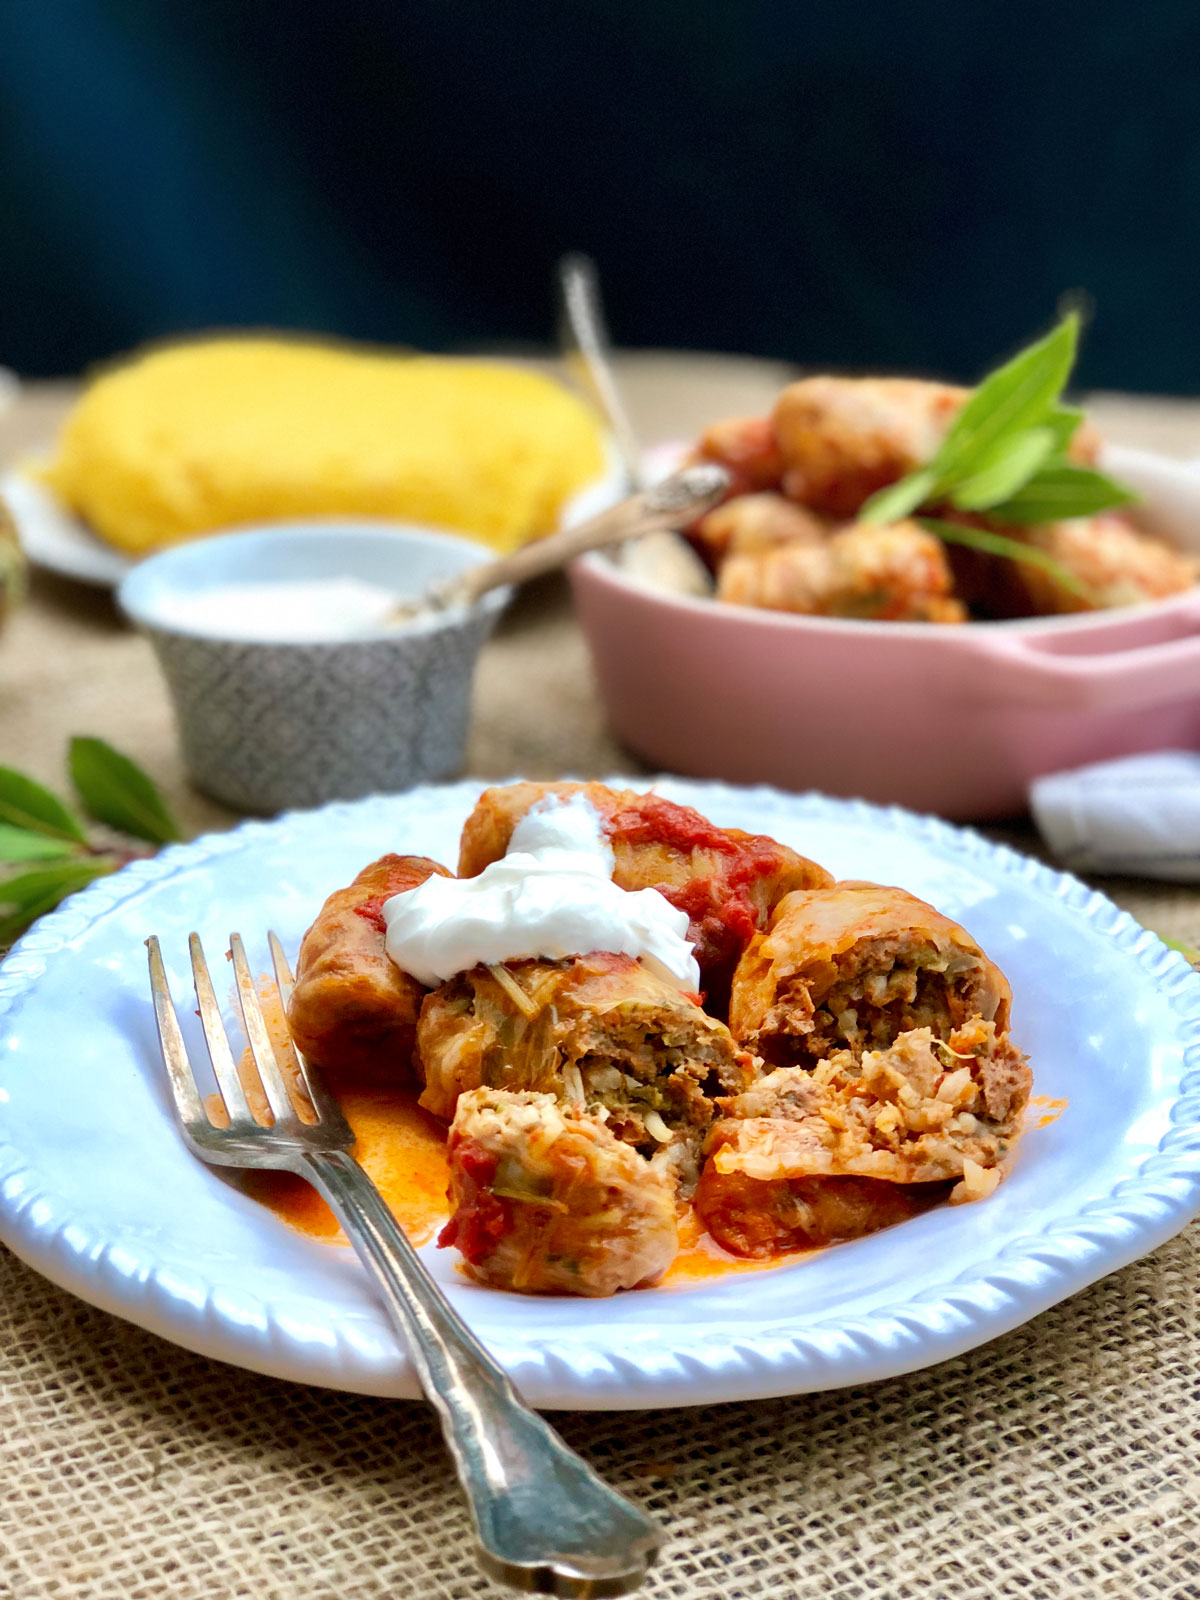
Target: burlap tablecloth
1062,1460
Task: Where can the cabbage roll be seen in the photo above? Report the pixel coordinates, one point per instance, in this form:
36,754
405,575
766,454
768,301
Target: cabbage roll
353,1012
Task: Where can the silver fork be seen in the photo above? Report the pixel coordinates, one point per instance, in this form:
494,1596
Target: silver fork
543,1520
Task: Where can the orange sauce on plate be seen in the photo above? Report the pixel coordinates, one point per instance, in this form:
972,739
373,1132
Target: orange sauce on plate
701,1257
1042,1111
403,1150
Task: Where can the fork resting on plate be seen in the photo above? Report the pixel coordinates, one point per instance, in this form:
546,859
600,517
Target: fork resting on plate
543,1520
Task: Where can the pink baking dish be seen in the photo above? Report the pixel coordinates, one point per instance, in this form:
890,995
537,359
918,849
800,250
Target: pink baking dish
954,720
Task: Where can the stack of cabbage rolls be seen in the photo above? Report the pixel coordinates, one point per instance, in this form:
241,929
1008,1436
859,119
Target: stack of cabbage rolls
845,1063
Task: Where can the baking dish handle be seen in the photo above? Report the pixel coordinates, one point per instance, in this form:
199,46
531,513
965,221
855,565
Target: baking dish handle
1122,673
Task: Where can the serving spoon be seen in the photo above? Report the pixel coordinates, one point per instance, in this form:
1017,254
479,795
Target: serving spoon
660,557
670,504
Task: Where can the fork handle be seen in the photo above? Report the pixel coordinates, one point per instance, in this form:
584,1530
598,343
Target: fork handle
543,1520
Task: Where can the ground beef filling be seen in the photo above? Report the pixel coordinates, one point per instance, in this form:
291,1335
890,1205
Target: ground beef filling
656,1093
652,1078
665,1114
865,1010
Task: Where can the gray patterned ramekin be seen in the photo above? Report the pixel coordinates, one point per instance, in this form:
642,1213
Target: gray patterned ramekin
269,726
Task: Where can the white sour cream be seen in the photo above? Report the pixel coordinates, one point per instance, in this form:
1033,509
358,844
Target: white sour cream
283,610
551,896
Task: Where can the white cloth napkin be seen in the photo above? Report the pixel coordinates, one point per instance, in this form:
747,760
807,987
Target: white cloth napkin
1139,815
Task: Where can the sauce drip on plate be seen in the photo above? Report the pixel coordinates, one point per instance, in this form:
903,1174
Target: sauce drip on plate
1042,1111
701,1257
403,1150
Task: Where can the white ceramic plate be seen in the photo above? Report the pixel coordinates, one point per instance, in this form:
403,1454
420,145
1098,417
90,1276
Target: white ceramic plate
53,537
98,1193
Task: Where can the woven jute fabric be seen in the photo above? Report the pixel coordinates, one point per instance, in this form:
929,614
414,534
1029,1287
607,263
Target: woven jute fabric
1062,1460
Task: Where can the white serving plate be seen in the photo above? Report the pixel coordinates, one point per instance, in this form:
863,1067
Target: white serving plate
98,1193
54,538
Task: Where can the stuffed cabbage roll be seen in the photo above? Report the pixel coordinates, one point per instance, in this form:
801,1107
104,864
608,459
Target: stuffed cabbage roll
841,439
1114,563
747,448
726,880
353,1012
753,523
599,1032
853,967
897,573
548,1200
808,1158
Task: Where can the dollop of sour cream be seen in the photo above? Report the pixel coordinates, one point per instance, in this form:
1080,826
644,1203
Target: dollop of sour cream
551,896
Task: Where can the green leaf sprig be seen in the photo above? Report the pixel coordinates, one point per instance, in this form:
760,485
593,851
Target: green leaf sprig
45,851
995,544
117,792
1005,455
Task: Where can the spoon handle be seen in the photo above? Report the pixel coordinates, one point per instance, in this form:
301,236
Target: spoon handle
673,503
586,349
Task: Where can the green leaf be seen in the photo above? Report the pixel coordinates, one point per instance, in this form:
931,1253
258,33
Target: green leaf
29,893
119,793
1007,466
1005,454
1064,422
995,544
21,844
1021,394
1059,491
11,927
898,500
25,804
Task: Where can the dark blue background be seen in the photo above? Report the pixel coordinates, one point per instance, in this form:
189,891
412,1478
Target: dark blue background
875,184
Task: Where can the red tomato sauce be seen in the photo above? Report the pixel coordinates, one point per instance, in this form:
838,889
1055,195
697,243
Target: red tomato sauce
653,820
720,904
481,1219
372,911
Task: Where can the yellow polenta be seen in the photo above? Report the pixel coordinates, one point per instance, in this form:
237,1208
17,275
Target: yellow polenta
206,435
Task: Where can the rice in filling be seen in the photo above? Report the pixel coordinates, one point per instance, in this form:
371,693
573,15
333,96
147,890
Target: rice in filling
600,1033
865,999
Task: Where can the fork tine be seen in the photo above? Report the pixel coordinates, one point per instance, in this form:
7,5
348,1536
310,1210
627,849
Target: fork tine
257,1036
189,1107
323,1103
284,976
230,1085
